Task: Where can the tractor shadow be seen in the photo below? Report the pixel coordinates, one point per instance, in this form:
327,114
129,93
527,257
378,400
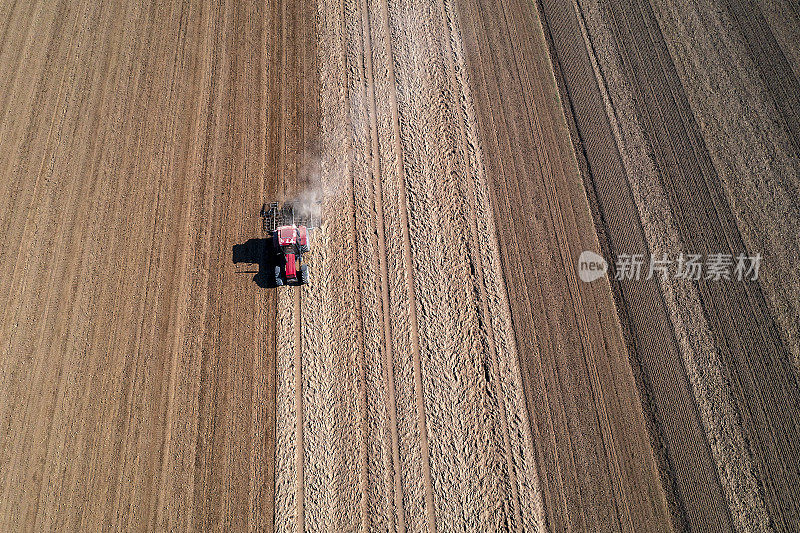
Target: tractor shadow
257,252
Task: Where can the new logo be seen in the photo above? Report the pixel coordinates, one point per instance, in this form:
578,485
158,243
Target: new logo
591,266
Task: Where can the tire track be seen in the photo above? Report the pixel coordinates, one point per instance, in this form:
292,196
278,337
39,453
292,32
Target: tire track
384,271
286,504
299,408
347,31
409,268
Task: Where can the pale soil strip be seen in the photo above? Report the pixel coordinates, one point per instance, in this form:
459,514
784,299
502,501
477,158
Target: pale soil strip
411,463
449,328
704,367
333,390
361,145
419,84
517,433
299,405
389,373
333,444
463,413
340,170
337,459
473,164
319,407
348,32
286,467
290,481
322,447
409,266
351,133
748,144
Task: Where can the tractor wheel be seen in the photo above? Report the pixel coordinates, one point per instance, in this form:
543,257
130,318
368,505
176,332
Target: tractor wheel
276,248
304,275
278,279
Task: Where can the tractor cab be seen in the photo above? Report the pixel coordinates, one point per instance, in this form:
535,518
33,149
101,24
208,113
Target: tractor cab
291,238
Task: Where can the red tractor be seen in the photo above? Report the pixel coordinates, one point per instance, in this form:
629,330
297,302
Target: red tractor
290,243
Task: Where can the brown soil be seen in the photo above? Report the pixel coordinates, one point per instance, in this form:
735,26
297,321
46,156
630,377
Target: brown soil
458,400
703,137
137,378
445,369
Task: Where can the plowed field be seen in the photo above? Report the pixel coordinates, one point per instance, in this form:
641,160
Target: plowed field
445,368
136,384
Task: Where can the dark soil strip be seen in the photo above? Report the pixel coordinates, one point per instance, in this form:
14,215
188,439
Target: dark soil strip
687,467
763,383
